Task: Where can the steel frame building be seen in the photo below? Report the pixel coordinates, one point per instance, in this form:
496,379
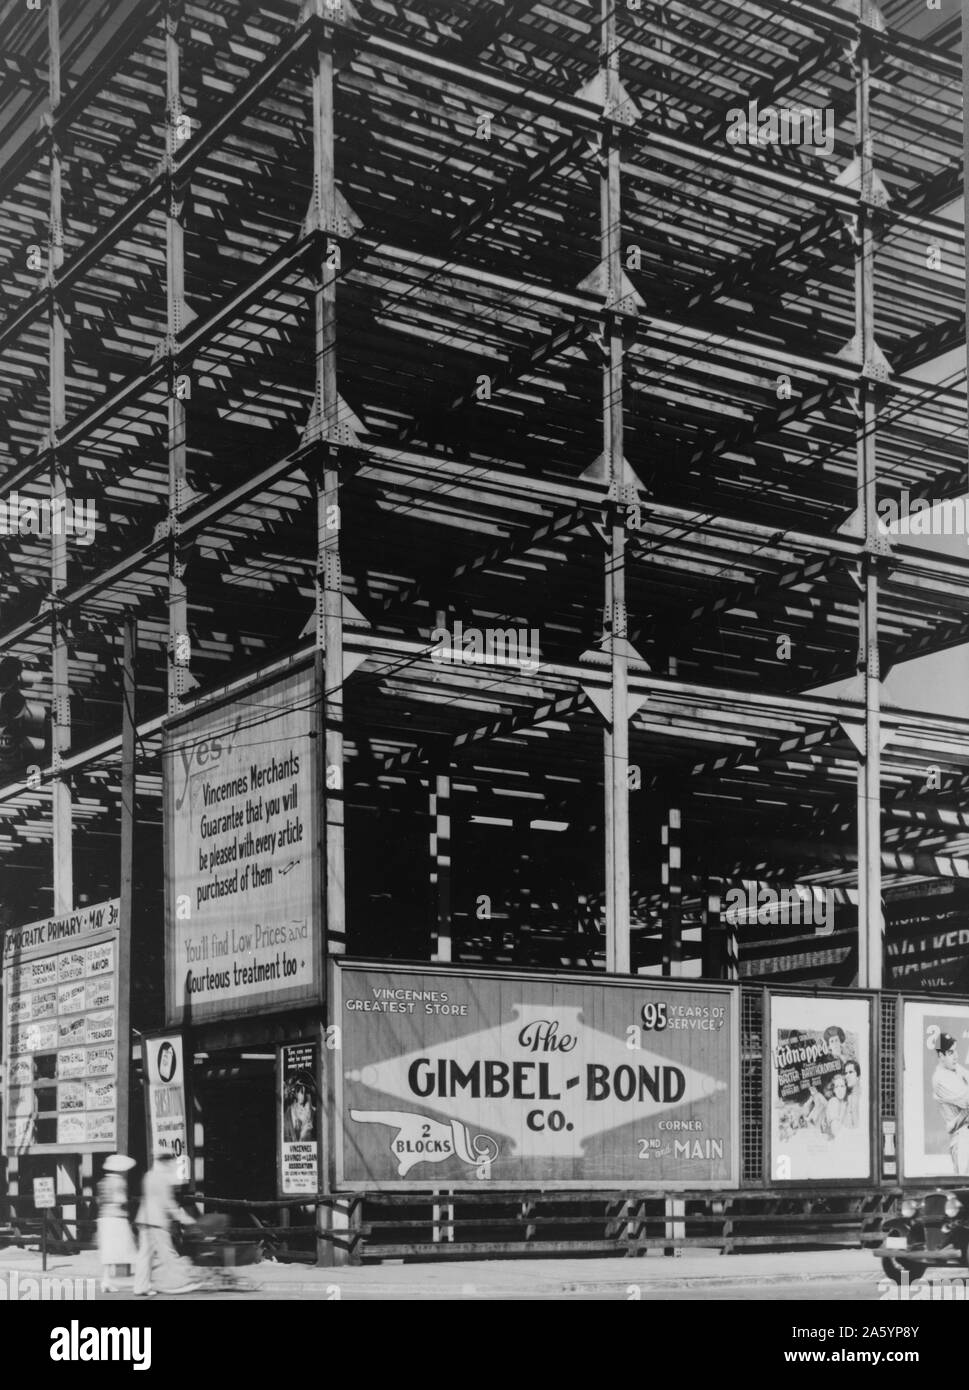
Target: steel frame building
356,321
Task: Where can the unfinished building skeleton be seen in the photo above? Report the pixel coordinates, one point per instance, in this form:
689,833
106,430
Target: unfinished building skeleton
460,348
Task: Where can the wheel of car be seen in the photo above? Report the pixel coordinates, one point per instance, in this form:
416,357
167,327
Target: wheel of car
895,1268
897,1265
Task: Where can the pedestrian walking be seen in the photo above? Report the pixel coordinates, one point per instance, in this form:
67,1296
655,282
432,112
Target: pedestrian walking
116,1243
159,1269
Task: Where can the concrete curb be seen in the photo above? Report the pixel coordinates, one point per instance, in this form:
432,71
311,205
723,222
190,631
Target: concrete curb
536,1278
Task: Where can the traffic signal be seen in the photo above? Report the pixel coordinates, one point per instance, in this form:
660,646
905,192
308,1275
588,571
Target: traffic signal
23,724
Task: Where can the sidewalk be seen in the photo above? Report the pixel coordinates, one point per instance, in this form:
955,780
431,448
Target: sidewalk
534,1278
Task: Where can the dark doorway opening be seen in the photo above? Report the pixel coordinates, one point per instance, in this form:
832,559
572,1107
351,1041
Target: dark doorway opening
239,1111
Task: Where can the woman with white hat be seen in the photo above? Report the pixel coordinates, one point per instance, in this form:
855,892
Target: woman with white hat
116,1243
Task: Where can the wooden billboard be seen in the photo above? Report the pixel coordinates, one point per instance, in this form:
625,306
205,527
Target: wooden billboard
60,1036
243,896
448,1078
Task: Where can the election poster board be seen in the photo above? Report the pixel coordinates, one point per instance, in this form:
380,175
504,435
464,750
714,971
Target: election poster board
60,1033
167,1105
299,1119
935,1089
450,1078
820,1089
242,855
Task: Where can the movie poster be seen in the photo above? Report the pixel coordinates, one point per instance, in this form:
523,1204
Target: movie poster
820,1088
935,1090
298,1136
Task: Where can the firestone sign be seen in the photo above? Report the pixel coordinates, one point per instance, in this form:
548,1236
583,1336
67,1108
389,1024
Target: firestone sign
455,1079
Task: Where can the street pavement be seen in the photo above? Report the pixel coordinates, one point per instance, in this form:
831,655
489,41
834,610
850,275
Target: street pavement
846,1275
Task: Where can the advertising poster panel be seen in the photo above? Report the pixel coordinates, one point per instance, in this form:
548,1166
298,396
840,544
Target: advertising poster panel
60,1033
242,893
450,1079
298,1120
820,1088
927,940
166,1099
935,1090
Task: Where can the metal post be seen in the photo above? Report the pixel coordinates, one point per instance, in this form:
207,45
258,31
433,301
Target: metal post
13,1183
675,1227
67,1182
129,786
869,773
67,1175
672,895
326,410
59,484
332,1219
713,945
965,149
86,1183
440,809
616,743
327,1140
198,1151
179,646
731,940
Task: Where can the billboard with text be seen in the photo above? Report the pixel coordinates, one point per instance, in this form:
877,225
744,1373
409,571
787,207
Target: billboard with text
242,886
60,1034
453,1079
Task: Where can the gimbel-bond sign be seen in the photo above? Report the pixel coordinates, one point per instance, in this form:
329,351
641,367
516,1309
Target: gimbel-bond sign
243,900
451,1079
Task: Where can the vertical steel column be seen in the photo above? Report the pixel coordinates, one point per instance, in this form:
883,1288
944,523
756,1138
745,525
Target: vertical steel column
324,418
68,1171
333,1220
129,788
198,1150
63,850
440,847
731,940
440,808
869,771
731,953
672,894
965,149
713,945
179,646
616,740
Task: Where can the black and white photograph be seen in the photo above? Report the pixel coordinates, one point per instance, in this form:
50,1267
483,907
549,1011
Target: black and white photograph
484,667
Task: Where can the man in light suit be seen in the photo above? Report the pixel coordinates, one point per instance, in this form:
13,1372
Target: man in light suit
158,1268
